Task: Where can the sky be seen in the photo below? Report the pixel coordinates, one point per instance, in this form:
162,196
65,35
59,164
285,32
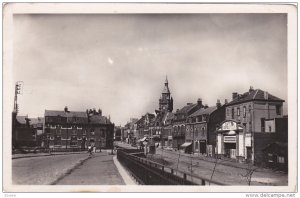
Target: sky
119,62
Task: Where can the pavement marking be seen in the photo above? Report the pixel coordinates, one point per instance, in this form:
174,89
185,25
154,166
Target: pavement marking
124,174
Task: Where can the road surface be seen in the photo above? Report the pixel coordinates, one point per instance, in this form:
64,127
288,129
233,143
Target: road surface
66,169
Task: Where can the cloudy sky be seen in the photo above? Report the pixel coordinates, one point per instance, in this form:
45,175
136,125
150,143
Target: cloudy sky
119,62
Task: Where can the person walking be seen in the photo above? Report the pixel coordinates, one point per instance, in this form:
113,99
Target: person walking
90,149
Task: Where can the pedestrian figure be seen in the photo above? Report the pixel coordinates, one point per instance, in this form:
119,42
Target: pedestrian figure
90,150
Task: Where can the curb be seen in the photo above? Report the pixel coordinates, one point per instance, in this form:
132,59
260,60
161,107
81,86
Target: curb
122,171
43,155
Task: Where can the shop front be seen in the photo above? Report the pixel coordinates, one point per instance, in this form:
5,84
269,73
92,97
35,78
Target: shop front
233,142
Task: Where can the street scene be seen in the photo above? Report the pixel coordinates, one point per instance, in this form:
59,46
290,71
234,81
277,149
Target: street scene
150,100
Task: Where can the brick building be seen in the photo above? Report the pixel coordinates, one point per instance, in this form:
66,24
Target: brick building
201,126
245,119
179,123
71,129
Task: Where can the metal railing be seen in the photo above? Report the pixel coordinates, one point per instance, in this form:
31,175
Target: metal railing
152,173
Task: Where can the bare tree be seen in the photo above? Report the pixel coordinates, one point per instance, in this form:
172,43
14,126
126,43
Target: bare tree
249,172
178,161
213,172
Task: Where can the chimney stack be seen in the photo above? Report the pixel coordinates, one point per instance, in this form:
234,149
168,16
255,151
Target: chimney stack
266,95
205,106
251,89
199,102
226,101
66,109
218,103
234,95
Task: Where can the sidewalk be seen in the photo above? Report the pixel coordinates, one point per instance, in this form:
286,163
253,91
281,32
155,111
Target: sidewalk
98,170
17,156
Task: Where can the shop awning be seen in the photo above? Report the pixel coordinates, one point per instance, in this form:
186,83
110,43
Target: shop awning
186,144
143,139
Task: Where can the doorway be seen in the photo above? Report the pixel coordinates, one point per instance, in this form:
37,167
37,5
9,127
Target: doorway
230,150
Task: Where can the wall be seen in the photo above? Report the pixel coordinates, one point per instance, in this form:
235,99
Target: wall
25,136
265,110
261,141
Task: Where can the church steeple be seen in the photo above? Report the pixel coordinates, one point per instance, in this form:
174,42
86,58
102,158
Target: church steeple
166,87
166,102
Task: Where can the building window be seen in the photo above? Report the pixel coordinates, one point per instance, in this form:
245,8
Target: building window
278,109
57,140
232,113
270,155
262,120
280,159
244,111
58,132
238,111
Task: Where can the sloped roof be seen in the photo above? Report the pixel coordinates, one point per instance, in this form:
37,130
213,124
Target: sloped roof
166,89
186,108
256,94
80,114
170,116
98,119
22,119
37,120
204,111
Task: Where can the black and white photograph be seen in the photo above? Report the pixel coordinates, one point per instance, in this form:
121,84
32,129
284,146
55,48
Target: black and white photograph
132,97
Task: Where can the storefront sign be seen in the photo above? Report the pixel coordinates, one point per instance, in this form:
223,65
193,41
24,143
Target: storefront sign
248,140
229,139
231,126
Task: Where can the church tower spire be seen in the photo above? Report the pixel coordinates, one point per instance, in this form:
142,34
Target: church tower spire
166,102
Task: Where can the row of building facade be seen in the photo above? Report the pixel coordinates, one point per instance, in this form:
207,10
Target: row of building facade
244,129
63,129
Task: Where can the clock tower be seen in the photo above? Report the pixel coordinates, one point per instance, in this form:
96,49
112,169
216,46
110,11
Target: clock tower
166,101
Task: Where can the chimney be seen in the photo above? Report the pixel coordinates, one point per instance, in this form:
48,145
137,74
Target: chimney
251,89
66,109
234,95
218,103
205,106
266,95
226,101
199,102
100,112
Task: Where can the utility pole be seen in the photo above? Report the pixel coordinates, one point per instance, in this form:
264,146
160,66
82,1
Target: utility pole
18,87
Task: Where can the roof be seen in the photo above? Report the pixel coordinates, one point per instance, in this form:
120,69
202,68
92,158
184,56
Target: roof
256,94
98,119
81,114
37,120
186,108
166,89
170,116
22,119
204,111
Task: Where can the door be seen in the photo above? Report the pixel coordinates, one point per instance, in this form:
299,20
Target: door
249,154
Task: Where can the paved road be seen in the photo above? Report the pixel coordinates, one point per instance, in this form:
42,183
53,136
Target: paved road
98,170
43,170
